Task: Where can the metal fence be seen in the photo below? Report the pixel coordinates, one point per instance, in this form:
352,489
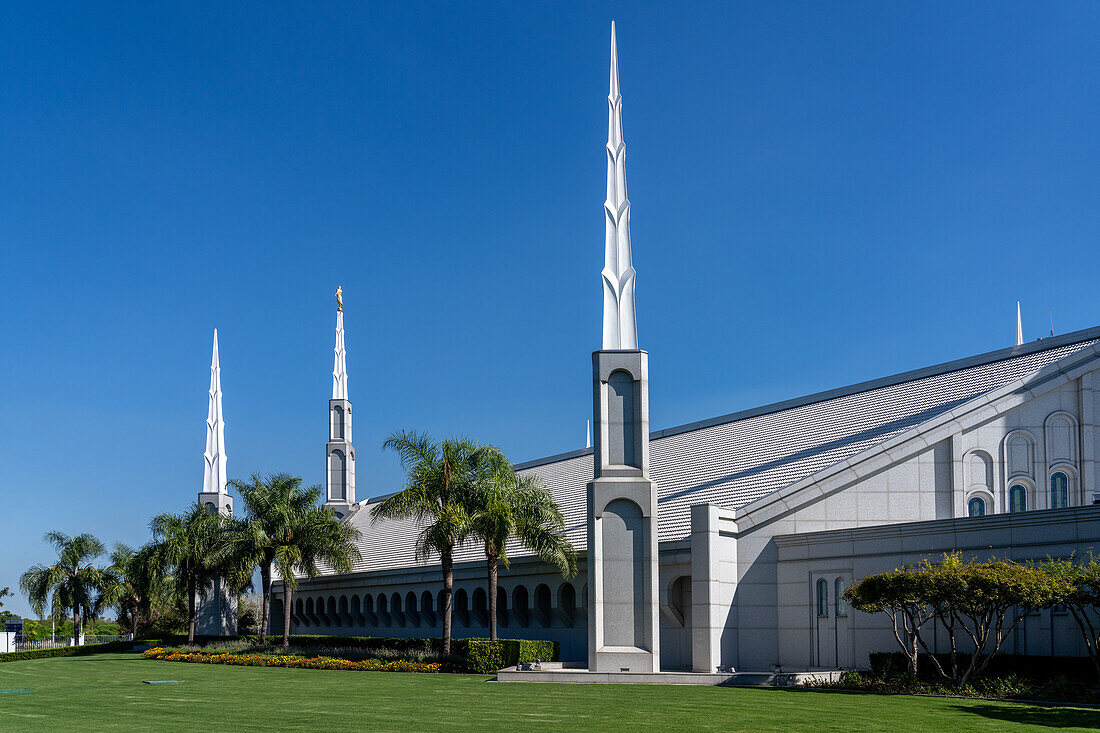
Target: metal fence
65,641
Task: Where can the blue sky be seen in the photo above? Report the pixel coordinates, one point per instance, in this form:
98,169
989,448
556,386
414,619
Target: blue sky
822,194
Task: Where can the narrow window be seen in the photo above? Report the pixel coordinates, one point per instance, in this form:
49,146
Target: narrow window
823,597
1017,499
976,507
838,598
1059,491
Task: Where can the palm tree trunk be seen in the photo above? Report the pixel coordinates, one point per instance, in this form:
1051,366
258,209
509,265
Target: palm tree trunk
265,582
134,622
191,611
448,593
286,613
76,625
491,561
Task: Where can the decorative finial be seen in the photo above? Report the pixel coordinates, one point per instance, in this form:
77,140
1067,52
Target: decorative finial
339,298
1019,326
620,327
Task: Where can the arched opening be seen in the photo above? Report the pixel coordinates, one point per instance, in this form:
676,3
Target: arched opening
331,614
620,408
1059,490
427,608
1017,498
368,609
344,618
410,609
822,598
480,607
544,606
520,611
337,475
299,615
975,507
567,604
676,624
679,600
623,585
357,611
461,607
395,610
383,610
337,422
502,608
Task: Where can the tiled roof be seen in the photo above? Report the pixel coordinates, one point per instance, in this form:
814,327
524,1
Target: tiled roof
733,460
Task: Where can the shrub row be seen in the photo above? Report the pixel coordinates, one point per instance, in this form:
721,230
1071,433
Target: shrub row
891,664
67,651
471,655
290,661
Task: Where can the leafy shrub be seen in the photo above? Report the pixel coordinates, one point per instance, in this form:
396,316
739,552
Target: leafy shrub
292,661
467,655
67,651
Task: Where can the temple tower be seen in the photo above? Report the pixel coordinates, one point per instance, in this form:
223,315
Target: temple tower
339,451
623,621
217,613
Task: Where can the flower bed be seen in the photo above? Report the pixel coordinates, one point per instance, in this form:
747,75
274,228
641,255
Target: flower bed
290,661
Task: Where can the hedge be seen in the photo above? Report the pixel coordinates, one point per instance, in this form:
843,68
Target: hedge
474,655
1031,666
67,651
290,661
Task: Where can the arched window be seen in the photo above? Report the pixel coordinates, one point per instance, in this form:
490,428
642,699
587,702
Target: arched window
543,604
1059,490
1017,499
838,597
822,597
976,507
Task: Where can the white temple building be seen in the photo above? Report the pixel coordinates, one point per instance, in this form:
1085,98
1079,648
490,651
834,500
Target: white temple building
727,543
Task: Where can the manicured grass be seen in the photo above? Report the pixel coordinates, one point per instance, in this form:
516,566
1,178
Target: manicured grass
105,692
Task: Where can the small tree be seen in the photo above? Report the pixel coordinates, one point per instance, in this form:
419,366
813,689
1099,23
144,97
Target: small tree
1081,597
73,583
903,596
984,601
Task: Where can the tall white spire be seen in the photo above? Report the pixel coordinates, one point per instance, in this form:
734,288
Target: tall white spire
214,478
1019,326
587,433
620,327
339,367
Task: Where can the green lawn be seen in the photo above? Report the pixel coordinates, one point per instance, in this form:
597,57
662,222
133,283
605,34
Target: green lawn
104,692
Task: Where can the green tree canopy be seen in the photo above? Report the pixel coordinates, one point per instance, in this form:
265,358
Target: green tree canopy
439,480
286,530
503,506
73,583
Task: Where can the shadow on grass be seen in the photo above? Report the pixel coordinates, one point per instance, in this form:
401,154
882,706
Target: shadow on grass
1055,717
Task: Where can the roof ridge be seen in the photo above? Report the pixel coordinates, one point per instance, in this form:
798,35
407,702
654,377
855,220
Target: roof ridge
989,357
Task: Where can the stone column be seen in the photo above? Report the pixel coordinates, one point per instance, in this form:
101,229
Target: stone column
623,600
713,581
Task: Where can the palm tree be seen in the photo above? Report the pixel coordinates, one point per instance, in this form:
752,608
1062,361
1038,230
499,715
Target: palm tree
283,525
73,583
309,540
438,482
194,547
506,505
129,584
